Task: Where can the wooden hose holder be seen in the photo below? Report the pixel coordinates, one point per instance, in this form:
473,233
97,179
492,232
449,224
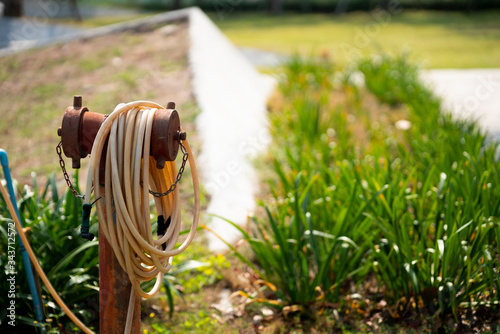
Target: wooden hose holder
78,132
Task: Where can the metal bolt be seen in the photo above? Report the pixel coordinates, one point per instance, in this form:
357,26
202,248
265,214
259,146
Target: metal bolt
181,135
77,102
59,132
171,105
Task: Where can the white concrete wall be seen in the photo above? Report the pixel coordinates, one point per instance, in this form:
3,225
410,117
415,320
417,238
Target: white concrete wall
232,125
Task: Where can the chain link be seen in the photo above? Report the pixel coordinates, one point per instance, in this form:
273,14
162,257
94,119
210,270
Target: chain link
65,173
179,174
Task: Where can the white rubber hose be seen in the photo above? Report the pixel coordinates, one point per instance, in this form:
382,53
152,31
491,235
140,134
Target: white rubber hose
129,174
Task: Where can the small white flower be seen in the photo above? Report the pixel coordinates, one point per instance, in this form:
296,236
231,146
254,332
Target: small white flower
403,124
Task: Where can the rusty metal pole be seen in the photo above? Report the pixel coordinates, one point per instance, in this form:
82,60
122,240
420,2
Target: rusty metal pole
114,291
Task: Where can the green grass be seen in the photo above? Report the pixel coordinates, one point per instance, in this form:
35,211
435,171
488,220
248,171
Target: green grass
405,215
440,39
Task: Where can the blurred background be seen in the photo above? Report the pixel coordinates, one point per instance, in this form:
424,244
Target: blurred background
441,33
384,119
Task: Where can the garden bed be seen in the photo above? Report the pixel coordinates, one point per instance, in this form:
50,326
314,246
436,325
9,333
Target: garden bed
382,209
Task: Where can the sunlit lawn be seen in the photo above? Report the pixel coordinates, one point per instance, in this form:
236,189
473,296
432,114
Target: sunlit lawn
440,39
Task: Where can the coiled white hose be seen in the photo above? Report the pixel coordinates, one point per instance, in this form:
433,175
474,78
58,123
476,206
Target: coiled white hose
129,174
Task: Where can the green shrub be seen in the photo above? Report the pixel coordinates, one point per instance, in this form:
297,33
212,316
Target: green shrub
439,222
70,262
353,198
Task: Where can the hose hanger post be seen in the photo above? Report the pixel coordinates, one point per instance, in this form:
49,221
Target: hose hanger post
80,127
122,178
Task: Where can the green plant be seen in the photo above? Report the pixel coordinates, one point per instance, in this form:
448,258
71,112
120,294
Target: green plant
354,196
313,237
204,275
439,218
169,280
71,263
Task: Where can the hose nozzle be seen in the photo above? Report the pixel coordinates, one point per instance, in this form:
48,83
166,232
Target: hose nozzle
84,230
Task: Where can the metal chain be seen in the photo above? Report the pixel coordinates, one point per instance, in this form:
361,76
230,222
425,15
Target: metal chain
155,194
66,176
179,174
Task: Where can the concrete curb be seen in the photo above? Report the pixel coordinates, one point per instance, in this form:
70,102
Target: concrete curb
232,95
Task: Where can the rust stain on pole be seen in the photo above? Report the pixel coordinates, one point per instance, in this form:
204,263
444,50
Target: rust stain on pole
114,292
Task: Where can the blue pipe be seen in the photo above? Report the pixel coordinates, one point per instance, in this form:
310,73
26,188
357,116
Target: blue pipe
37,303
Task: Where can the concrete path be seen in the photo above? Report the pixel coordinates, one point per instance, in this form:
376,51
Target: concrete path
471,93
261,58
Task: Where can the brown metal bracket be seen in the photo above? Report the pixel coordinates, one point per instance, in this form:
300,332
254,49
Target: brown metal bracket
80,127
165,135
